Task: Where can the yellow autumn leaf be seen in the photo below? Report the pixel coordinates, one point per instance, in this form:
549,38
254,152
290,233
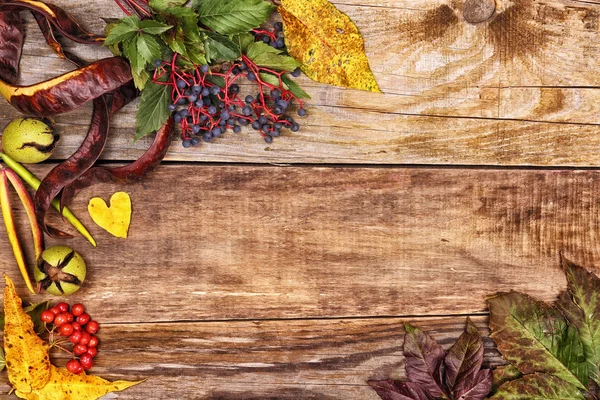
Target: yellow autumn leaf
327,43
114,219
64,385
27,359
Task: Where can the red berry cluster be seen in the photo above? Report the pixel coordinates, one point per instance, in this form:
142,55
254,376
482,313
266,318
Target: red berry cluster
78,327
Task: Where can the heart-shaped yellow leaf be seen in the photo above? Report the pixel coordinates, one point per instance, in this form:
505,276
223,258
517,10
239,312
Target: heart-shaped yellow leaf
115,220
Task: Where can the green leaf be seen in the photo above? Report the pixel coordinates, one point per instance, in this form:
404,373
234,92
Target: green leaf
153,109
266,56
195,52
140,78
538,387
294,87
243,41
126,29
35,312
138,63
175,39
217,80
233,16
188,20
535,337
581,306
2,360
162,5
218,47
503,374
272,79
153,27
148,48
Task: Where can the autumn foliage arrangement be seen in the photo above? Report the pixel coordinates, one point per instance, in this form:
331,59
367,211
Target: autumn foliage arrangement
552,351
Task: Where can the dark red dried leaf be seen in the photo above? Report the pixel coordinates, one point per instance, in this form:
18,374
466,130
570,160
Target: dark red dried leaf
396,390
475,387
424,357
69,170
62,20
465,357
71,90
129,173
11,42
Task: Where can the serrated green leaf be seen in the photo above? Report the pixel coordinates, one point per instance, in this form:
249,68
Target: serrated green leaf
148,48
581,306
153,109
188,20
217,80
233,16
220,48
137,62
126,29
162,5
272,79
153,27
266,56
294,87
538,387
140,79
535,337
195,52
175,39
243,41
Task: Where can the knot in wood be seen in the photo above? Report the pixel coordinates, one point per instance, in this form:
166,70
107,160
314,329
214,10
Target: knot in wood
477,11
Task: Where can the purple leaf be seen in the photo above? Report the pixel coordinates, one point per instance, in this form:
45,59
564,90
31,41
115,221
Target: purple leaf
475,388
424,358
464,358
396,390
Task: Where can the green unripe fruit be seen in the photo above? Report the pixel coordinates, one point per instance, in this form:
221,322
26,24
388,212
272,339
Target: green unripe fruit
29,140
60,270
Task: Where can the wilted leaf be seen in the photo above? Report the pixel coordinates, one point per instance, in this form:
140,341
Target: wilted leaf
26,357
424,356
535,337
538,387
465,357
64,385
503,374
396,390
581,306
327,43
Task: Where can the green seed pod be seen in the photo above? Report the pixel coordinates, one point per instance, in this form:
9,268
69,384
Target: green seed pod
29,140
60,270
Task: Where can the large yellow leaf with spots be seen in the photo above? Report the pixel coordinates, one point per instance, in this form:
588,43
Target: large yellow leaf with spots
27,360
63,385
327,43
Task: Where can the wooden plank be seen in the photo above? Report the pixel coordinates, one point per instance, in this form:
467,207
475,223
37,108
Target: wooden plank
221,242
302,359
518,90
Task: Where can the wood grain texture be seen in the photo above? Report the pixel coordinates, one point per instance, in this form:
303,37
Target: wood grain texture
277,360
272,242
520,89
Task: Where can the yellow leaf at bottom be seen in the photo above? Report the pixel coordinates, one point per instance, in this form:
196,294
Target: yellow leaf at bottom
327,43
27,360
64,385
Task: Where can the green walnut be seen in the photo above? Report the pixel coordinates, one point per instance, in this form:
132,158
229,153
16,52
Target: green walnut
60,270
29,140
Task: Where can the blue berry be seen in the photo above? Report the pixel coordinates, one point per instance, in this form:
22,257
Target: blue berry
205,92
181,101
278,110
275,93
212,110
275,133
203,118
184,113
247,110
196,89
157,63
236,70
231,121
199,104
278,125
268,139
216,132
215,90
172,107
262,120
296,73
196,129
181,84
235,88
243,121
302,112
266,128
251,76
243,66
265,39
195,141
204,69
225,115
186,143
192,98
278,26
206,101
222,122
282,103
279,43
256,125
177,118
207,137
237,129
221,105
295,127
249,99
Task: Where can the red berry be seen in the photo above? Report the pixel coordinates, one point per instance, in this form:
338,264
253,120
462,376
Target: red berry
69,317
85,338
92,327
63,307
55,310
77,309
75,337
92,351
60,319
93,341
79,349
76,326
47,316
66,330
74,366
86,361
83,319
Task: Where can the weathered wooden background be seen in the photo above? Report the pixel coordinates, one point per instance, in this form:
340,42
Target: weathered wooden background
286,271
